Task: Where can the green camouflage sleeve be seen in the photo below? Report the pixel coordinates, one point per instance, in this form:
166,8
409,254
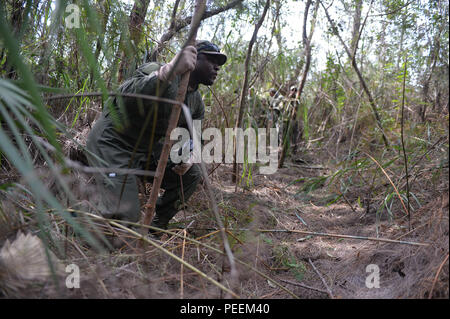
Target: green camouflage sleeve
198,111
136,111
145,81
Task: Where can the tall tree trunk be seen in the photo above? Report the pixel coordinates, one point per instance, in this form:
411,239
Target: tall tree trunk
243,96
402,39
356,26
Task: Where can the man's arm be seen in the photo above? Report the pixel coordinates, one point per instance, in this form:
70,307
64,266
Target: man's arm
151,78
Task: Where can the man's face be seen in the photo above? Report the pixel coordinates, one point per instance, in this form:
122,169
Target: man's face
206,69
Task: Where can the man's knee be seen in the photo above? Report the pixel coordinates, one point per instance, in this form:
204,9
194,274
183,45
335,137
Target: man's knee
120,198
192,176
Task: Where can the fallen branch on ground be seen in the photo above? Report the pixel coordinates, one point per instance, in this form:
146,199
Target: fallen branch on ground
321,278
327,235
303,286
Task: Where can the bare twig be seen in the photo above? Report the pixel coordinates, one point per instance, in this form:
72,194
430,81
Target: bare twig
403,147
321,278
182,199
301,219
397,9
309,167
347,201
303,286
220,105
182,258
215,209
392,183
386,240
92,170
179,24
437,276
212,171
135,95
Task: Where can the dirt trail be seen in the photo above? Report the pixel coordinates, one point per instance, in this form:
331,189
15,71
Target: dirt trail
331,267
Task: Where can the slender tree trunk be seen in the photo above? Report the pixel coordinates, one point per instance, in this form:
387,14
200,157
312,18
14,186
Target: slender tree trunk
356,26
349,100
278,27
360,77
243,96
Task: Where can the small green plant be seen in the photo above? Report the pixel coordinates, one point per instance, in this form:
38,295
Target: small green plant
233,216
297,268
285,259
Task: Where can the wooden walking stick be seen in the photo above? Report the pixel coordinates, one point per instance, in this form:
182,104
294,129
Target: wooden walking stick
173,120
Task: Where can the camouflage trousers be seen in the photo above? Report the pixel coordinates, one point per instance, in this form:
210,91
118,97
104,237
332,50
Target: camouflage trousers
119,193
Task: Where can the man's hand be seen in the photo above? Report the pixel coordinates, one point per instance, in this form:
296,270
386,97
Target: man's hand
186,62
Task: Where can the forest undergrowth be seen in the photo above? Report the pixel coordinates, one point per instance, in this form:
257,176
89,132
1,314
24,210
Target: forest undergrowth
359,211
307,231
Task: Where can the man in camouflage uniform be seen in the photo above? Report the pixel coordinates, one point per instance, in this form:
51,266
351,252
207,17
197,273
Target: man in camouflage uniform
129,144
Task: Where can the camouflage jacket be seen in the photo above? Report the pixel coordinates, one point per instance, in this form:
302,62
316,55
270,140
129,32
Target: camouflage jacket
136,116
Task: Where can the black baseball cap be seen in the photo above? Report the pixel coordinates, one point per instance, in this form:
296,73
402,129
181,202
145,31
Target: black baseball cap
206,47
